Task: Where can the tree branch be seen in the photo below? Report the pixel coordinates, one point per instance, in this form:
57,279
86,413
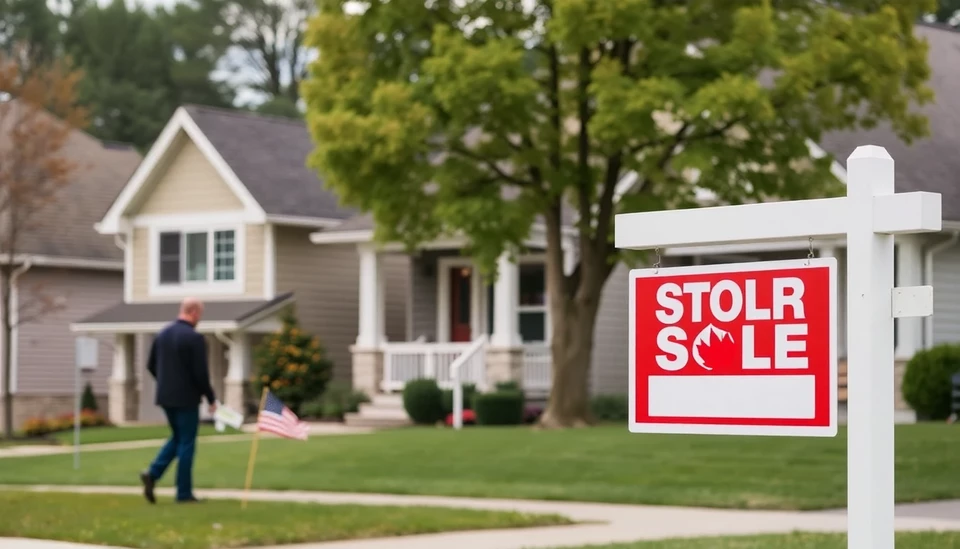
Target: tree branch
467,153
553,93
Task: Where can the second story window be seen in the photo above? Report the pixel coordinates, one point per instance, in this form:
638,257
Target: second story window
197,256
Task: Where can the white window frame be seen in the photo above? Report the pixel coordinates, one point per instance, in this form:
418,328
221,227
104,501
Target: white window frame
206,287
480,315
537,259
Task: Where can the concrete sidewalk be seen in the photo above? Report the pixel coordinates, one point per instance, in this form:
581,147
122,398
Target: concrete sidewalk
316,429
607,523
21,543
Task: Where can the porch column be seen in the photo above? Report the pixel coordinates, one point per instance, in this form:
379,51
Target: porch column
371,299
123,398
909,272
506,295
238,370
505,355
367,353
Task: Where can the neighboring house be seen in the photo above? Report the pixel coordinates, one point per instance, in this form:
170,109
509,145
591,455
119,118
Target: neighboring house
63,262
222,208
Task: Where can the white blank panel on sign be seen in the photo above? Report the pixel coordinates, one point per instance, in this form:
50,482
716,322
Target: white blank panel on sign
777,397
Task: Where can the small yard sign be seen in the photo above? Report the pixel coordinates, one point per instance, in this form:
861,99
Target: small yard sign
743,349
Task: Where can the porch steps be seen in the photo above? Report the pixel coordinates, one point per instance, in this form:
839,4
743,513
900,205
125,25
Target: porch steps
383,412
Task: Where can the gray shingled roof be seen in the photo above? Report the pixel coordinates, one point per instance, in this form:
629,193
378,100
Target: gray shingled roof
213,311
64,226
269,156
933,163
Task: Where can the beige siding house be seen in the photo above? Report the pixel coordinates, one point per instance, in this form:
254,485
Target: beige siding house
66,271
222,208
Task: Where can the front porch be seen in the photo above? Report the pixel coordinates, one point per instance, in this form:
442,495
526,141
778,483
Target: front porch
231,330
491,333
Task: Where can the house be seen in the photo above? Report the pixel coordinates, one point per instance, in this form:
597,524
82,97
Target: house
65,272
222,208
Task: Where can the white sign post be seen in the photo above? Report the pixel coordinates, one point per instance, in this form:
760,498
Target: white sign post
86,361
868,217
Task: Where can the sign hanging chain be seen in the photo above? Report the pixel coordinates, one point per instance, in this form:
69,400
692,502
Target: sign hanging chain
810,251
656,265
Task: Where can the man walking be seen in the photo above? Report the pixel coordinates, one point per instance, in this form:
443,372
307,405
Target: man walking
178,361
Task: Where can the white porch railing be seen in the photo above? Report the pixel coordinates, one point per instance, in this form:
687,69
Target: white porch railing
537,368
407,361
403,362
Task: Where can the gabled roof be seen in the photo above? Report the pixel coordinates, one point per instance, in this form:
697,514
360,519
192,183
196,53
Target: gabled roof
217,315
261,158
933,163
269,155
62,228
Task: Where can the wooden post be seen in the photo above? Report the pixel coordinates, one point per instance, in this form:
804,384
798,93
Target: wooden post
253,451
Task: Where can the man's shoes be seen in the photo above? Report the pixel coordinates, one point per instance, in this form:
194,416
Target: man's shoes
148,482
190,500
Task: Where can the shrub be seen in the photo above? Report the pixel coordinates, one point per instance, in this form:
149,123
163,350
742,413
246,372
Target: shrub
469,390
88,401
508,386
423,401
531,414
610,407
337,401
35,427
312,408
499,408
926,383
39,426
292,364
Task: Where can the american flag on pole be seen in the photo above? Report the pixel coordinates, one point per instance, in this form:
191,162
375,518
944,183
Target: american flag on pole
276,418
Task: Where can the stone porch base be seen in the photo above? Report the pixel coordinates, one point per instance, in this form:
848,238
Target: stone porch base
367,370
504,364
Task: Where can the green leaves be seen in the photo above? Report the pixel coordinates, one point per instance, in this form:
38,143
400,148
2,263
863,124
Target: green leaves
478,118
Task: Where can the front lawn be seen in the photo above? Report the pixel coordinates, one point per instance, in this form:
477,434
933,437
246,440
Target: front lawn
605,464
905,540
127,521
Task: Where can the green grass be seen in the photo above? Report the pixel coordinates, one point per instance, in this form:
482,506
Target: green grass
96,435
127,521
905,540
605,464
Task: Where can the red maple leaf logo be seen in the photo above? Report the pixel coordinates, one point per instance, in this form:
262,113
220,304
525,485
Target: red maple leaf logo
714,348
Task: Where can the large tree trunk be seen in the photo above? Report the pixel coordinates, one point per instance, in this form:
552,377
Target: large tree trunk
574,301
572,348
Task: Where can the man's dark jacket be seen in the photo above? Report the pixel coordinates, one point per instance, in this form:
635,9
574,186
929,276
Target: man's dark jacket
178,361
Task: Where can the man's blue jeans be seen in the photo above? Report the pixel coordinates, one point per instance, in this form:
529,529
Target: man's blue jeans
182,445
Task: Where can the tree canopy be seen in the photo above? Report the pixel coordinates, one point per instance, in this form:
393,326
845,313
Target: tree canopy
478,117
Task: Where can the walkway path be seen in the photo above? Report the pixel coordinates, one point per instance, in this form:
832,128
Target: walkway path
50,449
20,543
607,523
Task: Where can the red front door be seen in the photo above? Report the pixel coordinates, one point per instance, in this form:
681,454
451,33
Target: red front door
460,304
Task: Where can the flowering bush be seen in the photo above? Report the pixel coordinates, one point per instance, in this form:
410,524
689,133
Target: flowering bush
292,364
469,418
39,426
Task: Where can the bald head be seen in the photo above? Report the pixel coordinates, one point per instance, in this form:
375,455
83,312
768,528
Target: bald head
191,309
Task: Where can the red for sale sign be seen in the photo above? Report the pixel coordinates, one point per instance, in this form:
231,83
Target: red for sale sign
735,349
